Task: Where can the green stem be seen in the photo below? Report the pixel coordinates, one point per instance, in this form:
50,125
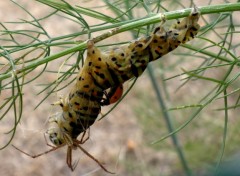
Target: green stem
168,122
128,26
85,11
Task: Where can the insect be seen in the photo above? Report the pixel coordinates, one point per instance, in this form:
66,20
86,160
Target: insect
109,69
113,67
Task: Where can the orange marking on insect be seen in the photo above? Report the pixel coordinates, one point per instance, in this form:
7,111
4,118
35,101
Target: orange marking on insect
117,94
94,93
114,94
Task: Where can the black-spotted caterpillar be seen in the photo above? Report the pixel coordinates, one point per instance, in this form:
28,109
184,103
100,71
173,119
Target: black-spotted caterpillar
110,69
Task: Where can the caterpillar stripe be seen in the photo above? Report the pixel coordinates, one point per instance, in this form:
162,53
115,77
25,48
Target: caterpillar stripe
110,69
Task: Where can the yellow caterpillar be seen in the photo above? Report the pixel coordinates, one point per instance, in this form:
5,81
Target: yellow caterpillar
110,69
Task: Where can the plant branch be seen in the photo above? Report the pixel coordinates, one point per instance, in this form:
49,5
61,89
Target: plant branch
129,25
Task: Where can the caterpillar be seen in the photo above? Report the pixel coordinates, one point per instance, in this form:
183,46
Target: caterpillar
109,69
130,60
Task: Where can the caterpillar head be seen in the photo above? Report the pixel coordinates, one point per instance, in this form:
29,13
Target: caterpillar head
58,131
55,136
58,137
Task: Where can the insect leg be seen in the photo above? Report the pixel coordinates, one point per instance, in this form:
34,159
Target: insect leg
69,159
82,140
62,102
90,156
40,154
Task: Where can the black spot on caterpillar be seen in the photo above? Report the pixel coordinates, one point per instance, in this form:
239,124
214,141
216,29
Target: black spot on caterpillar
110,69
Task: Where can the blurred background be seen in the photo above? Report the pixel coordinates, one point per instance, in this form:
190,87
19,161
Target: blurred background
123,139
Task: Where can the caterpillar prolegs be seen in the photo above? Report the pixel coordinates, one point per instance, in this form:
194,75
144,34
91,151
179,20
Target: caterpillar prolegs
110,69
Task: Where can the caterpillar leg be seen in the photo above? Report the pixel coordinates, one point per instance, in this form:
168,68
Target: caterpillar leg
113,95
193,24
92,50
63,102
163,18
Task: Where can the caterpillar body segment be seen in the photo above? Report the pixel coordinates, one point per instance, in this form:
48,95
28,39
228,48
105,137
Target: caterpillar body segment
79,111
104,70
190,24
114,67
180,32
80,108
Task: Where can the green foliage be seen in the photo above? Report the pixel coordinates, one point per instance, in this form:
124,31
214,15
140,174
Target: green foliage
212,60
